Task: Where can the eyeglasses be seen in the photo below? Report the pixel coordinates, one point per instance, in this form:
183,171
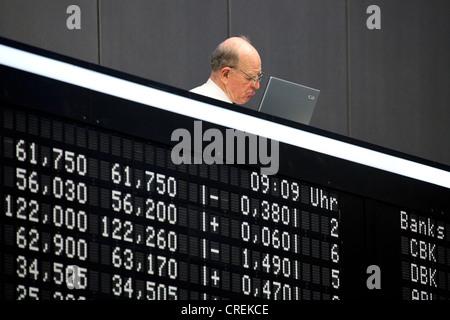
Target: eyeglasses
255,80
258,77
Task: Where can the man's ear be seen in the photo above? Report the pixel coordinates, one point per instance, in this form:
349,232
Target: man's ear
225,74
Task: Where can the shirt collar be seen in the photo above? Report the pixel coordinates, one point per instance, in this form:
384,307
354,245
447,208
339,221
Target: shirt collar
221,95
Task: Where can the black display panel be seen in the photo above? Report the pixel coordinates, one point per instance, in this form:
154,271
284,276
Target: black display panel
134,225
93,207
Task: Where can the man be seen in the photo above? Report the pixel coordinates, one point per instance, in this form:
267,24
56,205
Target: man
235,72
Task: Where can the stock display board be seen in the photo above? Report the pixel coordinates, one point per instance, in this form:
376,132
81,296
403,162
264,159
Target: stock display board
94,207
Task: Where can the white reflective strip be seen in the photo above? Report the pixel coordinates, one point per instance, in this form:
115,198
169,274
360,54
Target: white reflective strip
128,90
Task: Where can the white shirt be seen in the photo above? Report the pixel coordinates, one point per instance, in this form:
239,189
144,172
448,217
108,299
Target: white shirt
212,90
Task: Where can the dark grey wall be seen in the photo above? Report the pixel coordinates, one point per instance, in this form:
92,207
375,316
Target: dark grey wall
399,77
42,23
166,41
389,87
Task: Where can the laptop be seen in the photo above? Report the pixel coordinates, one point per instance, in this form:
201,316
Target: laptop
289,100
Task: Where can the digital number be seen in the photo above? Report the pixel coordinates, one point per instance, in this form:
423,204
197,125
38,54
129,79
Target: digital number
120,286
23,293
116,229
69,190
124,258
72,276
116,175
335,253
69,161
270,290
277,291
276,265
268,237
24,210
124,287
25,268
161,239
162,184
120,202
161,266
27,240
255,180
262,183
334,227
273,211
153,181
160,211
70,247
70,219
21,152
161,291
335,279
25,180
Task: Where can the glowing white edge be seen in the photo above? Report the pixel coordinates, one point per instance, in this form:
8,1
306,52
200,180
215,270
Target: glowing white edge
128,90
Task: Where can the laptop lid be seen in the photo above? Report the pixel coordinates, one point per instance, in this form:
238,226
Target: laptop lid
289,100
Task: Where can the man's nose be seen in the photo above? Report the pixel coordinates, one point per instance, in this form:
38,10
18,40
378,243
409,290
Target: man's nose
256,85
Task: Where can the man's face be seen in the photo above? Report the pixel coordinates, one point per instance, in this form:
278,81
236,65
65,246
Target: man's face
241,84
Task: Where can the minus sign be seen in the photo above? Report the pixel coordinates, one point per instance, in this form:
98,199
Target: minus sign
214,197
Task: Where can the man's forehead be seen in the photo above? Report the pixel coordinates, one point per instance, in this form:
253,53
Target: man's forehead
254,69
251,64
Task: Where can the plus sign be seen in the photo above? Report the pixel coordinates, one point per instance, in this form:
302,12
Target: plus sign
214,223
215,278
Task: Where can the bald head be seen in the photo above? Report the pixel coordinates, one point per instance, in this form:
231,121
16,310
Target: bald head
235,64
230,52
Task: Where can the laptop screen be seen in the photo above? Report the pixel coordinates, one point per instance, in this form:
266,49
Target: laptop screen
289,100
